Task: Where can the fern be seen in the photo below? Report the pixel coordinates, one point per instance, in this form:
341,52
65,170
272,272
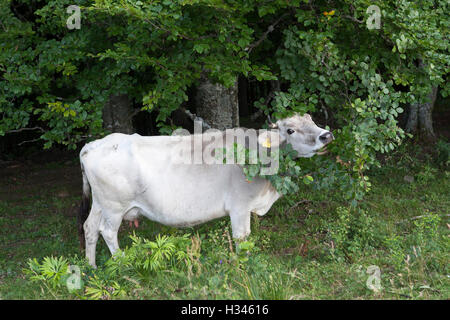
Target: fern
103,289
50,270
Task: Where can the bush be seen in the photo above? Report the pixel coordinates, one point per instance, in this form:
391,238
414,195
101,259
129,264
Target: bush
443,149
351,233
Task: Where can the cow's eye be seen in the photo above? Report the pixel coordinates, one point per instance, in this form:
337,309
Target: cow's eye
290,131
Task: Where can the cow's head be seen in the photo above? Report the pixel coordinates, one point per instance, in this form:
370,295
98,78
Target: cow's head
301,132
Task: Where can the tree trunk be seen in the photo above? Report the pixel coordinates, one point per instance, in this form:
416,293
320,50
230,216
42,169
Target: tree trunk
217,104
118,114
425,116
413,119
243,98
420,114
420,117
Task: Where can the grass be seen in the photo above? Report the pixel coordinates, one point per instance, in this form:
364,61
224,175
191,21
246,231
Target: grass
316,249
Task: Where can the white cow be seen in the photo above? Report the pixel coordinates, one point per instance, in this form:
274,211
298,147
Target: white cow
132,175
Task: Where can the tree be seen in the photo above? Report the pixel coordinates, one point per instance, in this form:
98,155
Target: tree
117,114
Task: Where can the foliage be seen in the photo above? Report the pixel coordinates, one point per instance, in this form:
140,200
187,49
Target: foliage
51,270
426,174
102,289
140,261
443,149
349,71
285,174
145,257
151,51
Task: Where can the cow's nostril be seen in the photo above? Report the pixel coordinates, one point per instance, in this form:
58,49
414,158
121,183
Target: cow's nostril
326,137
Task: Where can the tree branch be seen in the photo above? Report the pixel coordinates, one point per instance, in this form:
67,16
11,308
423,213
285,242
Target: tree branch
132,114
265,34
25,129
194,117
28,141
354,19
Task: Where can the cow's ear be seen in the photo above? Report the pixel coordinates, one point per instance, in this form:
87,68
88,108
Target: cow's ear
307,116
270,139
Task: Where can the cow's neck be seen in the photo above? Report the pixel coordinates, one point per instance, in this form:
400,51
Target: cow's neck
265,199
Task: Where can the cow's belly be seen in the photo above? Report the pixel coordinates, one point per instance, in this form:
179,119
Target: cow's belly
178,219
184,195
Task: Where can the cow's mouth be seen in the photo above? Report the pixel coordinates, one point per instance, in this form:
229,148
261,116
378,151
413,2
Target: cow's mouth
322,151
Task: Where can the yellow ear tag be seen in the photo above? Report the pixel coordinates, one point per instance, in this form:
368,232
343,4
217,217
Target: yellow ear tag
266,143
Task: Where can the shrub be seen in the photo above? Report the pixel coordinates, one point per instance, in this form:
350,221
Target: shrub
351,233
443,149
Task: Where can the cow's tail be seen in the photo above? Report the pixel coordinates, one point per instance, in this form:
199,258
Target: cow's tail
85,206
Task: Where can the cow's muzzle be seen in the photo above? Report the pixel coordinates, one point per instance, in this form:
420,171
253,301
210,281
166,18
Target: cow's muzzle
326,137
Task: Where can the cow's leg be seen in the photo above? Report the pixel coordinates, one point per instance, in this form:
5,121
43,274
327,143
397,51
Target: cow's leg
109,227
91,232
240,224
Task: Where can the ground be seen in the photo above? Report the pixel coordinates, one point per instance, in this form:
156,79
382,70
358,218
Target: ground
306,247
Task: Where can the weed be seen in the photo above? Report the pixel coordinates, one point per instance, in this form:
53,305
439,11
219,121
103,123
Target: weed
427,174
